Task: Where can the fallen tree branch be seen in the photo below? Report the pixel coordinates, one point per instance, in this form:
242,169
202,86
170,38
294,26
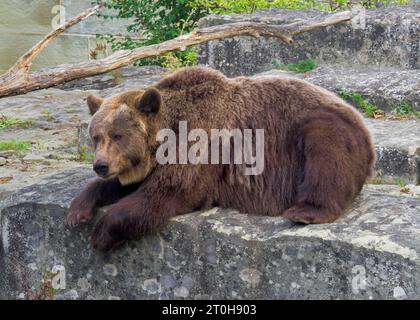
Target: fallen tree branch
17,80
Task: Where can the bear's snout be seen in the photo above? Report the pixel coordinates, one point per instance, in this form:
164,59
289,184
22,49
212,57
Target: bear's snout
101,168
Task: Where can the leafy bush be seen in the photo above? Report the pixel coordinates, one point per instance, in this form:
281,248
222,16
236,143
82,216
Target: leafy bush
155,21
299,67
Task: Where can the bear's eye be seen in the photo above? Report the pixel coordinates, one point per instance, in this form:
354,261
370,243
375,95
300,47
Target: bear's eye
116,137
95,139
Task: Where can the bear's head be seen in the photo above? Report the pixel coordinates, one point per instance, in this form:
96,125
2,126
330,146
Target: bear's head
123,131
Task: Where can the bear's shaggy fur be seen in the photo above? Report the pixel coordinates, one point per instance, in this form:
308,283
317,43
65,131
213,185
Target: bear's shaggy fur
318,153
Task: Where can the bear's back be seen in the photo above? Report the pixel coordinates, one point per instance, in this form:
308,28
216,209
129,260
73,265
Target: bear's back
191,76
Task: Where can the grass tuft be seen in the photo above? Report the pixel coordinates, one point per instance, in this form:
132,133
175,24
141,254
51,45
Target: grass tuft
15,145
298,67
7,122
369,109
403,110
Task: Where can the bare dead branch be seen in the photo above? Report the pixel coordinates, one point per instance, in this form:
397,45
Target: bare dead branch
10,84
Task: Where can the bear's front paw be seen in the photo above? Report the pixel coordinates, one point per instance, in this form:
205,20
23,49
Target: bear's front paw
105,236
77,216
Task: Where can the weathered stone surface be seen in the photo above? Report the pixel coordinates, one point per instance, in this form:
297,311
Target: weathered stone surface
370,253
390,40
398,149
384,88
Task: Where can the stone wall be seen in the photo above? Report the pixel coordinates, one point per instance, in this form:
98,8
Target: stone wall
24,22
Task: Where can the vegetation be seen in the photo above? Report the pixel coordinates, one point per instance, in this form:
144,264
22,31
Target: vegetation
160,20
403,186
6,122
403,110
369,109
83,155
298,67
46,290
15,145
377,181
155,22
172,62
250,6
45,112
86,157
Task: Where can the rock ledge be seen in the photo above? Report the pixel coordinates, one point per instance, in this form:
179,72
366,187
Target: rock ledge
370,253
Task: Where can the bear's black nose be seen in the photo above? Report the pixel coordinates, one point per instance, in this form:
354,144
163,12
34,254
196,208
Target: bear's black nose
101,168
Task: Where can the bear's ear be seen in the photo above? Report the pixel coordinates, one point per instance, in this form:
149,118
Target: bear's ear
149,102
94,103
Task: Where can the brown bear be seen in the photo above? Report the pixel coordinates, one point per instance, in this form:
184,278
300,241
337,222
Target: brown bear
317,153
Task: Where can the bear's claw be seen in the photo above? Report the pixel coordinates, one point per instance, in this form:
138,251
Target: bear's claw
76,217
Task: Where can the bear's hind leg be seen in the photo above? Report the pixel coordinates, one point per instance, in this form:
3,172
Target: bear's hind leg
334,170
